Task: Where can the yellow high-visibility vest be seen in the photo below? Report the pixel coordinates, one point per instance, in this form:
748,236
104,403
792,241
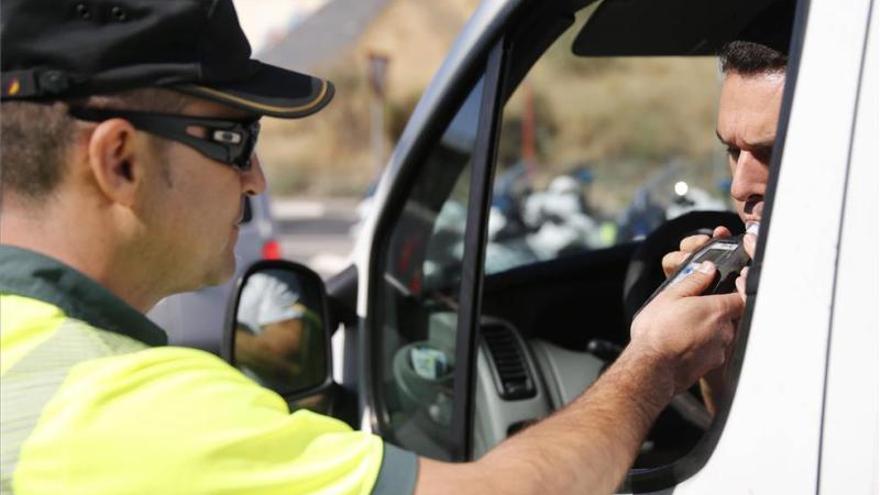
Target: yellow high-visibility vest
93,402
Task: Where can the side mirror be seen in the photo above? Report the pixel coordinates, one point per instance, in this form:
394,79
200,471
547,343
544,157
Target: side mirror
278,330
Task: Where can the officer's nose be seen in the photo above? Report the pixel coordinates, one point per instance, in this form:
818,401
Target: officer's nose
749,177
253,181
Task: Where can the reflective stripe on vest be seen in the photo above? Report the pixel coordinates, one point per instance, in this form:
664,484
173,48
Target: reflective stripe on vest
38,347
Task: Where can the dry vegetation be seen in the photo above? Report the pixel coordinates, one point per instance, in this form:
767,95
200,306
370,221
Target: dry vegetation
624,117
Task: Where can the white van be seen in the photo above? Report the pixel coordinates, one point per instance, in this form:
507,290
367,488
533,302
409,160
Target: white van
455,339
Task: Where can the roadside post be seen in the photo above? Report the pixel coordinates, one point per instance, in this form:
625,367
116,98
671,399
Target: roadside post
376,73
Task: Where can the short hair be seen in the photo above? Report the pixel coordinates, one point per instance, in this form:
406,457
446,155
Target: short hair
35,137
750,58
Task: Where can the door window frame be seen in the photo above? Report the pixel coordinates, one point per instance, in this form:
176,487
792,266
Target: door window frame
471,286
371,337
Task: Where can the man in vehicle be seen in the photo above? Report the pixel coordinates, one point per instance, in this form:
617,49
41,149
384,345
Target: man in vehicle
127,138
748,114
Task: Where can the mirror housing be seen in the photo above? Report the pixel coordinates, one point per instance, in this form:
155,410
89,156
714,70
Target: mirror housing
278,329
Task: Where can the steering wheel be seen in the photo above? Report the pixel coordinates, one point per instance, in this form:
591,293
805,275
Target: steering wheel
645,274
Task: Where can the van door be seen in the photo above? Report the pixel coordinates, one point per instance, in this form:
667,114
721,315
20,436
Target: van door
849,456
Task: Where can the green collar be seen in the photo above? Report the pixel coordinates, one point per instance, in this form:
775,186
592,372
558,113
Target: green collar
26,273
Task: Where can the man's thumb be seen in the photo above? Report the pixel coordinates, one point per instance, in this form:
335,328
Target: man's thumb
695,283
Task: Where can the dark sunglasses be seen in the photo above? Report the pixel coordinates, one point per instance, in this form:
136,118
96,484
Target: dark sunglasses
228,141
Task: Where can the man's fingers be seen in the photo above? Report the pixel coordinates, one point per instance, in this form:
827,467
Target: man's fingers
729,306
741,283
692,285
749,243
721,232
672,261
728,332
741,287
692,243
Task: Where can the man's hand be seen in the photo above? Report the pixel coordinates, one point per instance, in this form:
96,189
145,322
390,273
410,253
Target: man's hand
672,261
750,241
587,446
688,333
714,383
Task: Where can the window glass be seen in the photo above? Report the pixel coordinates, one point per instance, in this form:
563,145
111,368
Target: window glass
600,151
420,292
594,155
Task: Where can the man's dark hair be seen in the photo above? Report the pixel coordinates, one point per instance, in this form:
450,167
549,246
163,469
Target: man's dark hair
762,47
750,58
35,137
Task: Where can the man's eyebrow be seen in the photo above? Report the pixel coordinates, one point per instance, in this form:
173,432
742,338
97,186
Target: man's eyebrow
762,144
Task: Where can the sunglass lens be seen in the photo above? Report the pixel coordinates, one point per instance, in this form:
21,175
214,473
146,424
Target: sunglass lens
244,162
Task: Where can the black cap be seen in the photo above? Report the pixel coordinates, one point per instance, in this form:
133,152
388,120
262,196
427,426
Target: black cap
58,49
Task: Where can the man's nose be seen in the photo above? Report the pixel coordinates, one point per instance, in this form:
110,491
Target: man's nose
253,181
749,177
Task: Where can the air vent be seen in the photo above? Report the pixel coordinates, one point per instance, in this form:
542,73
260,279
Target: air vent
512,376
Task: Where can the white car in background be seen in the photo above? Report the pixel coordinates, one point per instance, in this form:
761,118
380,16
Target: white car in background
195,319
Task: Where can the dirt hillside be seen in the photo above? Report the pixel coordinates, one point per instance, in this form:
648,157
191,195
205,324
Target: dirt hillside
330,152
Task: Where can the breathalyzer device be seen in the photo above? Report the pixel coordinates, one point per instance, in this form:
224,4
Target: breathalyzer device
729,257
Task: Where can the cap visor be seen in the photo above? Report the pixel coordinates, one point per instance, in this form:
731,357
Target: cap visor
270,91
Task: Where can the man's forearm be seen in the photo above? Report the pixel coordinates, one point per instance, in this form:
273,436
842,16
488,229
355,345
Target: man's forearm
588,446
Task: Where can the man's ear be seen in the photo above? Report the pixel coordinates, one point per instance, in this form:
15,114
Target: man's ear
115,160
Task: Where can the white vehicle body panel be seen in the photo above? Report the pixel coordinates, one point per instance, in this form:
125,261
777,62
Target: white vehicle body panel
772,436
850,427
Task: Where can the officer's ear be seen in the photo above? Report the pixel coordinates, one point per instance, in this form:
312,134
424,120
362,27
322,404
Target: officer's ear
116,164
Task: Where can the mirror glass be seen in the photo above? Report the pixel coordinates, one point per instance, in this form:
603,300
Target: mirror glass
280,339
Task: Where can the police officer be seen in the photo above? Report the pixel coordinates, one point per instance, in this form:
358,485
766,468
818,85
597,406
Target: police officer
127,136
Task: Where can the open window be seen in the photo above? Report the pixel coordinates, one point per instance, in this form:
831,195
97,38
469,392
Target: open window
595,154
607,158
